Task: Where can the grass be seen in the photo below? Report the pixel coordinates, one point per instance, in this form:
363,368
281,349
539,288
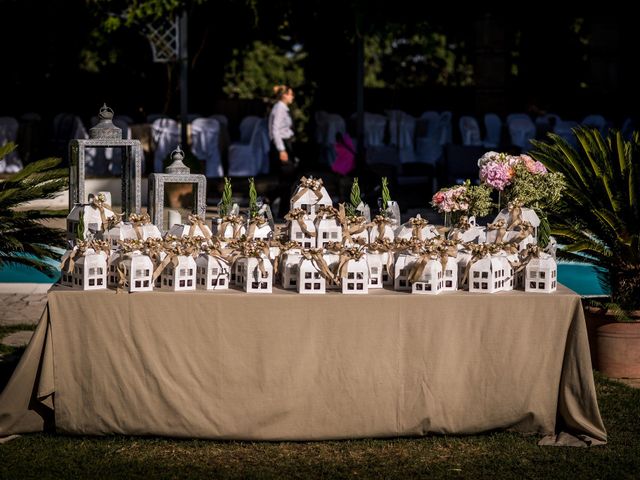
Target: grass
494,455
8,329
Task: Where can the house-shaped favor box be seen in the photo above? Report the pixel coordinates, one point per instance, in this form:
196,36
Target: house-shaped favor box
430,281
89,272
212,273
541,274
356,277
491,274
251,278
306,198
309,280
180,277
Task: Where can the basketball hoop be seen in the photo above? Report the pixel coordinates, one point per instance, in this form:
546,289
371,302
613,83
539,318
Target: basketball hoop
164,37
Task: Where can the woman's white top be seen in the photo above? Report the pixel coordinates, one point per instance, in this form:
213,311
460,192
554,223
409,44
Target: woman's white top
280,125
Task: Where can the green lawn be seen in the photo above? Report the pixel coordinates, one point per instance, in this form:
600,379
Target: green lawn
496,455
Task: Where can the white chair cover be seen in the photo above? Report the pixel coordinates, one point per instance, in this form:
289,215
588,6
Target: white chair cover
470,131
250,156
628,127
563,129
493,125
328,125
9,133
66,127
429,147
522,129
374,125
596,121
205,141
165,133
402,129
446,128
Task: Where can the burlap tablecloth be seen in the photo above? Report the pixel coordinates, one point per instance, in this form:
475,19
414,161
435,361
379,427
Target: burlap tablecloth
229,365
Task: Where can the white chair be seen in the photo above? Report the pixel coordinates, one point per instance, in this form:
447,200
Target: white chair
493,125
446,128
628,127
67,126
205,141
376,150
596,121
522,130
328,125
109,157
564,130
470,131
402,127
250,156
9,133
429,147
546,123
165,133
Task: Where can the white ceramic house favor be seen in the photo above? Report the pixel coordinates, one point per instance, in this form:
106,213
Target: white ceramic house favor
496,231
462,259
126,231
355,276
327,230
416,227
332,260
402,269
521,238
192,230
491,274
112,268
310,280
301,228
430,281
381,227
289,263
468,231
89,219
229,227
88,272
309,195
541,273
212,273
138,271
259,229
179,275
376,269
254,274
450,274
515,215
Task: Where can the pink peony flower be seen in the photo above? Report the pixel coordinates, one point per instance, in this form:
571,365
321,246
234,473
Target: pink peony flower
497,175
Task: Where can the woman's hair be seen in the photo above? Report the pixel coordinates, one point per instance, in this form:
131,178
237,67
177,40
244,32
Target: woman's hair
280,90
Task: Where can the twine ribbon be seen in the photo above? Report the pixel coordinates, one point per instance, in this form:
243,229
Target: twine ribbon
501,228
319,263
198,221
297,214
98,202
306,184
235,221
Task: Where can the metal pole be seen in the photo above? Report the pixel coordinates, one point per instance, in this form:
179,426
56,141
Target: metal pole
360,151
184,76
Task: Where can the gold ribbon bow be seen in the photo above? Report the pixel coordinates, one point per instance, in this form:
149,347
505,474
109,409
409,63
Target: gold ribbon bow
98,202
69,258
380,222
417,224
515,214
306,184
138,220
347,254
256,222
236,221
297,214
478,252
351,225
198,221
501,227
526,229
429,253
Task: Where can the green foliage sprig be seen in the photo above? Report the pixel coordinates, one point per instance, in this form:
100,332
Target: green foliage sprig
253,198
227,194
386,196
354,199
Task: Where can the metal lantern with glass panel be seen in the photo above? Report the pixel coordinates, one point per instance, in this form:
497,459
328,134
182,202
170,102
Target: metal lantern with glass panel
176,175
106,135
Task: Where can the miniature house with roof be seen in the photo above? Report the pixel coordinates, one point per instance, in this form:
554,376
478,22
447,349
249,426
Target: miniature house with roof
181,276
182,230
289,263
327,230
401,271
491,274
514,236
138,271
541,274
310,195
126,231
86,219
310,281
375,270
431,280
387,232
470,233
407,231
462,260
332,260
356,279
297,234
89,272
526,215
251,278
212,273
450,275
260,231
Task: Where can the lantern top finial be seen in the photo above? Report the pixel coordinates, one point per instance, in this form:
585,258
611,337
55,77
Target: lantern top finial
177,166
105,129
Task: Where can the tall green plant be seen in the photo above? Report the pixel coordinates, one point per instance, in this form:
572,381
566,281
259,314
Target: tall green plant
386,196
354,199
224,207
253,198
598,218
24,237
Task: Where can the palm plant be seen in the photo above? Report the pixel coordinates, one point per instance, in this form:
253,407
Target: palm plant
24,238
599,216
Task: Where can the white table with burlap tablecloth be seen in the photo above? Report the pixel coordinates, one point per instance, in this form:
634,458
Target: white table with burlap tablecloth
231,365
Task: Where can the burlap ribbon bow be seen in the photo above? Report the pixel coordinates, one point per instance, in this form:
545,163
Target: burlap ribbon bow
351,225
384,245
526,229
380,222
347,254
515,214
138,221
306,184
256,222
198,221
297,215
427,254
319,263
501,228
98,202
417,224
236,221
478,252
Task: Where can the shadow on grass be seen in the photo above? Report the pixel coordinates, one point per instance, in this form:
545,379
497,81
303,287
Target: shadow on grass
8,363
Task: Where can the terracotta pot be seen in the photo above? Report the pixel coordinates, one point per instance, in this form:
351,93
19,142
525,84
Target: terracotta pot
618,349
594,319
